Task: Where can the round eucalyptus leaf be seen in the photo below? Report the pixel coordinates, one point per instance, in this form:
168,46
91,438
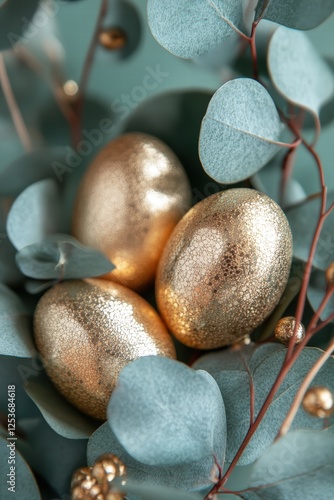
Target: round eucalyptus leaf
299,465
316,292
34,214
17,478
52,456
15,325
15,17
240,131
193,476
234,371
28,169
149,491
297,14
191,29
61,256
303,221
171,424
61,416
297,71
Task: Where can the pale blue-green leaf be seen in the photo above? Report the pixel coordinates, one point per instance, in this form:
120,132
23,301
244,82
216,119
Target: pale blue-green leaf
240,131
9,272
299,465
162,431
15,325
24,484
15,17
28,169
52,456
149,491
194,476
222,55
316,292
303,221
297,14
297,70
61,416
268,180
34,214
61,256
263,364
190,29
38,286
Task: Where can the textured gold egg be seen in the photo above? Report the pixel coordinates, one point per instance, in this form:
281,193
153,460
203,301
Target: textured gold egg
224,268
87,331
129,202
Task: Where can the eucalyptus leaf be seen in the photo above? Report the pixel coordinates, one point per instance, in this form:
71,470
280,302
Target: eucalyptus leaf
235,370
303,220
316,292
171,424
149,491
240,131
61,256
52,456
34,214
299,465
24,484
15,325
297,14
15,16
193,476
297,70
61,416
190,29
28,169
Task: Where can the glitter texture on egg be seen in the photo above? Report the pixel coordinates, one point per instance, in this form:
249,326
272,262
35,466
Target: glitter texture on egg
224,268
130,200
87,331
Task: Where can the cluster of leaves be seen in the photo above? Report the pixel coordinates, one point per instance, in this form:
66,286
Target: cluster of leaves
173,425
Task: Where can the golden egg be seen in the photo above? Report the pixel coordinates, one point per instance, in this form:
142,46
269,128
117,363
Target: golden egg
129,202
224,268
285,328
87,331
319,402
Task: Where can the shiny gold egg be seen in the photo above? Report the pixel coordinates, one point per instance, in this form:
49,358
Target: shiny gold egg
319,402
224,268
285,328
129,202
87,331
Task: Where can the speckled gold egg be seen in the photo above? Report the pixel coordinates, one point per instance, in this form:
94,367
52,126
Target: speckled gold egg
129,201
224,268
87,331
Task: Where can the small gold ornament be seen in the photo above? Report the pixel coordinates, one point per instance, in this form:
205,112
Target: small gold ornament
71,88
113,38
285,328
129,202
87,331
319,402
95,483
330,274
224,268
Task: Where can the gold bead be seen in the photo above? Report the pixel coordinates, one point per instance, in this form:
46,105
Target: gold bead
224,268
319,402
87,331
71,88
330,274
129,201
105,470
113,38
285,328
84,485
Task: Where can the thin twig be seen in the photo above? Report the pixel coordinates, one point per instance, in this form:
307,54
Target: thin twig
14,109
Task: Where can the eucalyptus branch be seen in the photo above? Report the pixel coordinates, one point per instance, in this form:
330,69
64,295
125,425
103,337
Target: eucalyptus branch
89,61
302,390
14,109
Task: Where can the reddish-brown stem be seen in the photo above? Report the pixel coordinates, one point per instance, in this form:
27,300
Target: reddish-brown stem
88,63
252,44
14,109
302,390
